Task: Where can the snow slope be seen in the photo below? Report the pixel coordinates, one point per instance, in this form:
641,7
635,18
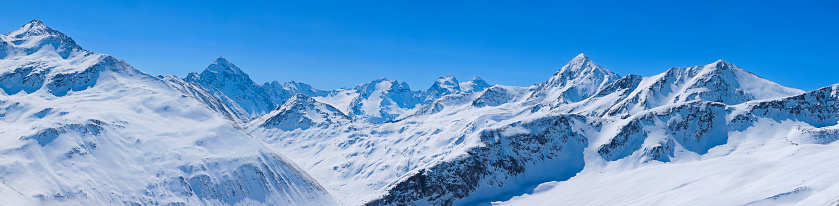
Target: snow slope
82,128
777,152
503,141
88,128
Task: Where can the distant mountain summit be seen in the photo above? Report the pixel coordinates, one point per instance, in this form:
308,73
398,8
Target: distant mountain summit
302,112
576,81
33,37
475,85
226,81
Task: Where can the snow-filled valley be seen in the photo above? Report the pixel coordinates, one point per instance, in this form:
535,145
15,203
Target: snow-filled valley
83,128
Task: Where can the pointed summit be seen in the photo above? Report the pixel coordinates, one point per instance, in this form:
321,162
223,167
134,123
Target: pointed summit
582,56
33,28
222,65
577,80
580,67
721,64
220,60
445,85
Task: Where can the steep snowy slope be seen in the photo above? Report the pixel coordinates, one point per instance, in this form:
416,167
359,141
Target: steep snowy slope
774,152
204,96
225,80
81,128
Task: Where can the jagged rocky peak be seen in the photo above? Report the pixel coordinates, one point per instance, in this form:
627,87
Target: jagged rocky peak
222,65
577,80
474,85
226,81
445,85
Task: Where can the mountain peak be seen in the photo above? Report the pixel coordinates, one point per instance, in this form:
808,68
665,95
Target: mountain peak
581,56
35,22
222,65
33,28
721,64
474,85
34,35
445,85
220,60
580,66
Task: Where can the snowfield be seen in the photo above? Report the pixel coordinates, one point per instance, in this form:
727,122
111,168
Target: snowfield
82,128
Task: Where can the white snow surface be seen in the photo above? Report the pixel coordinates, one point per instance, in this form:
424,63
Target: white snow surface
88,129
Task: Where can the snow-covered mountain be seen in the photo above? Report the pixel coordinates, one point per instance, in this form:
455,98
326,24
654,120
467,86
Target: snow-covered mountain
503,141
88,128
576,81
718,82
302,112
226,81
83,128
474,85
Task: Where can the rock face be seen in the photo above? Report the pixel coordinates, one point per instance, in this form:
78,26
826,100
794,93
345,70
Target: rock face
82,128
486,173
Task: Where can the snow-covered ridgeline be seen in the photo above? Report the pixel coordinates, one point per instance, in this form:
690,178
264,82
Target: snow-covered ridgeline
84,128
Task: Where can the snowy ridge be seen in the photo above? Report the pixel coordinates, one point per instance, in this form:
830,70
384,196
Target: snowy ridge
89,129
718,82
34,36
475,85
302,112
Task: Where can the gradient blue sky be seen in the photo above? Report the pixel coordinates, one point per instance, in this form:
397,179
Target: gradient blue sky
330,44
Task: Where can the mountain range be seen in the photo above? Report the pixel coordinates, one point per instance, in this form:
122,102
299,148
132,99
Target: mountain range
83,128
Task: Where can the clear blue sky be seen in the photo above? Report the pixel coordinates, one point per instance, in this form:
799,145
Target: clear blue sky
330,44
